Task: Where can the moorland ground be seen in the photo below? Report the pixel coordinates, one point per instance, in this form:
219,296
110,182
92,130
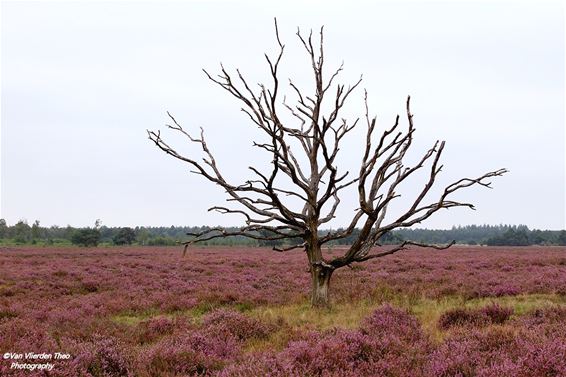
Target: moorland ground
148,311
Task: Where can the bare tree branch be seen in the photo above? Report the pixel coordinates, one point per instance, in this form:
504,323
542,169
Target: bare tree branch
403,246
308,177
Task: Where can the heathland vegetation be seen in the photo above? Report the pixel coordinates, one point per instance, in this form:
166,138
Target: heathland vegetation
219,311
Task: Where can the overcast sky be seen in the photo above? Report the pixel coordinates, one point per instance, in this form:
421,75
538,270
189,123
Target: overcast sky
82,81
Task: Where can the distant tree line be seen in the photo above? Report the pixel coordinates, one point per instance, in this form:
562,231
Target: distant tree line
492,235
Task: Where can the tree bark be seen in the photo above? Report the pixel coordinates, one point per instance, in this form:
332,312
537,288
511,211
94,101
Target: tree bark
320,294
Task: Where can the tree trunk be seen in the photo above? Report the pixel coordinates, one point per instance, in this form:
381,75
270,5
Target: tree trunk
320,296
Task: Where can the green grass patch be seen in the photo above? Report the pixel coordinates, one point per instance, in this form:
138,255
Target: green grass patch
522,304
428,311
302,316
299,317
131,318
344,315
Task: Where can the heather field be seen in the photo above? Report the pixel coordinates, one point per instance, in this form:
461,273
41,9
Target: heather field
142,311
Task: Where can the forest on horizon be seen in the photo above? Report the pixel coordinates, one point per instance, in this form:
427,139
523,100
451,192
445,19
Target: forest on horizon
22,233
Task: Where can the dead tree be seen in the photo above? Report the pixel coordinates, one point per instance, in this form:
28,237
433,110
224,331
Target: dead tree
317,183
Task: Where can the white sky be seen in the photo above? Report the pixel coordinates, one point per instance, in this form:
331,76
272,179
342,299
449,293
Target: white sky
82,81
